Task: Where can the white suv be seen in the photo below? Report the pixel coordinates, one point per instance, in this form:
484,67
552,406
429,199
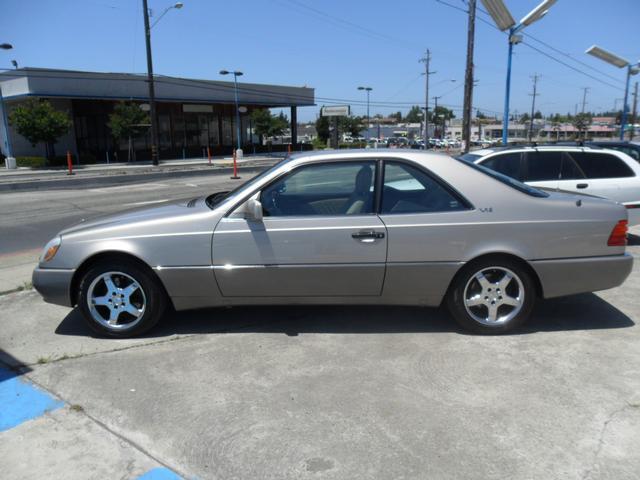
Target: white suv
595,171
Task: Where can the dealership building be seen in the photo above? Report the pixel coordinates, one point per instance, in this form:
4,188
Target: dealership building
192,114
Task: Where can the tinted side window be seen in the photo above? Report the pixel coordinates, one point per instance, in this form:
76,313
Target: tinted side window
323,189
540,166
601,165
569,169
508,164
410,190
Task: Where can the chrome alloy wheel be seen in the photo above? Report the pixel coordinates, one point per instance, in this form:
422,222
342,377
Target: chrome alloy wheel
116,300
493,296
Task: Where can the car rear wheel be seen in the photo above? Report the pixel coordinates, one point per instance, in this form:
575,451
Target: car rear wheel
120,299
492,296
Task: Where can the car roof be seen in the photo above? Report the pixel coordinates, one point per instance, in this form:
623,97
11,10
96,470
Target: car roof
532,148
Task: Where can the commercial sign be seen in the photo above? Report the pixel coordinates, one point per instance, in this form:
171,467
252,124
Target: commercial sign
336,111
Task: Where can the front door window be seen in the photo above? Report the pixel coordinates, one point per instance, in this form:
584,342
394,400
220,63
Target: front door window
344,188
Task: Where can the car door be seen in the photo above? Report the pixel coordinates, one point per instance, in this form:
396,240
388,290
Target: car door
319,236
542,168
602,174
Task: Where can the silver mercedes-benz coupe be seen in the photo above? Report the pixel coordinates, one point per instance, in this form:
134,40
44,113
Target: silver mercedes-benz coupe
359,227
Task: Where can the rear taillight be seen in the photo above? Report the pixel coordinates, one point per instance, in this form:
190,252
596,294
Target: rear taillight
618,237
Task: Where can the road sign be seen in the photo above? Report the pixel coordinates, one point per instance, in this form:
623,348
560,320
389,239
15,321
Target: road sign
336,111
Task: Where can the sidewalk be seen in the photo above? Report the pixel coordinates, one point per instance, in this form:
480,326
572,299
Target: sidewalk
23,179
118,167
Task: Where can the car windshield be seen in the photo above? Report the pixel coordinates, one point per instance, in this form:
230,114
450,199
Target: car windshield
469,157
511,182
216,198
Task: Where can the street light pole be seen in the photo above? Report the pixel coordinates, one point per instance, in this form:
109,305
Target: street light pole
235,74
505,21
152,94
367,89
7,143
619,62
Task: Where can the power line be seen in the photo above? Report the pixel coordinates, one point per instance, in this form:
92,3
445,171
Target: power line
342,23
538,50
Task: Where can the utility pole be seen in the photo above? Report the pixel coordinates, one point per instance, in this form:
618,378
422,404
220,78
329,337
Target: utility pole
152,95
633,113
426,60
435,113
584,97
468,79
533,103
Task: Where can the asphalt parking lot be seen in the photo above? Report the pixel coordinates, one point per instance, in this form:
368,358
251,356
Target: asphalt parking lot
330,393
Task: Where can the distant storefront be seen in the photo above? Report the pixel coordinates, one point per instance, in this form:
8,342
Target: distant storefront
193,115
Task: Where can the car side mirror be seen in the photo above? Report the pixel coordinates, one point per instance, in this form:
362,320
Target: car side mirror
254,209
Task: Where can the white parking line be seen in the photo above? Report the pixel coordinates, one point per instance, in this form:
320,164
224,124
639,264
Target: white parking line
138,187
148,202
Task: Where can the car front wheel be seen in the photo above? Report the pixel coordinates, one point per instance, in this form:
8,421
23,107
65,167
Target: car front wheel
492,296
120,299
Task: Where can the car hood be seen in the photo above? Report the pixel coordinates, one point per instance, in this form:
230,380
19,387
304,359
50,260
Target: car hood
164,211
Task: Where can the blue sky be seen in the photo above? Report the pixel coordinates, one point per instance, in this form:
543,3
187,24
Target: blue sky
335,46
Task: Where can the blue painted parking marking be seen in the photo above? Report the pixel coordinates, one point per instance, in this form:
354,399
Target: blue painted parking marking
159,473
20,401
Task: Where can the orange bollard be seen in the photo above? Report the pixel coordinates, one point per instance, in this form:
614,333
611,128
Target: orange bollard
235,166
69,163
209,154
289,149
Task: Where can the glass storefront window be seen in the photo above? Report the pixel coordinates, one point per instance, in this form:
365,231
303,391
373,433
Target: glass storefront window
214,137
164,133
227,131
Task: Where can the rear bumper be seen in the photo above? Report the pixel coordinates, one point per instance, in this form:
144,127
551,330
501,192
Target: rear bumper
578,275
54,285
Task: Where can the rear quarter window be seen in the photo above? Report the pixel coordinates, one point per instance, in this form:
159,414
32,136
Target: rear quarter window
602,165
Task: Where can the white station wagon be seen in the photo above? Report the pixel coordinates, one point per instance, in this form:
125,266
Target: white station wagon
595,171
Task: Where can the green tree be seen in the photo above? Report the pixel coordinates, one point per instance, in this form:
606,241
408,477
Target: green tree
414,115
37,121
581,123
128,121
351,125
267,125
537,115
322,129
524,118
480,115
441,112
397,116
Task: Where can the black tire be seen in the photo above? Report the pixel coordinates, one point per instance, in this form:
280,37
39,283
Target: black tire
152,295
466,277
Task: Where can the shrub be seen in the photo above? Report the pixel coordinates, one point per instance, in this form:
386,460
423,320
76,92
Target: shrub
31,161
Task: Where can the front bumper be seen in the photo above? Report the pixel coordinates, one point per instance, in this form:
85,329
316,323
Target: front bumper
54,285
579,275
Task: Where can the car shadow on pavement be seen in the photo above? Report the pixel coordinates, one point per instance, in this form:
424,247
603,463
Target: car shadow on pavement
578,312
633,240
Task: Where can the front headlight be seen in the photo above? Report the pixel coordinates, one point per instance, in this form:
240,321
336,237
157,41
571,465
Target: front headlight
50,249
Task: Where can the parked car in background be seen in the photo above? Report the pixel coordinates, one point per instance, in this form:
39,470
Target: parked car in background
400,227
591,170
630,148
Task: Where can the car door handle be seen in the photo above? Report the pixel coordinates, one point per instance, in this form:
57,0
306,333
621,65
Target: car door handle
582,185
367,234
